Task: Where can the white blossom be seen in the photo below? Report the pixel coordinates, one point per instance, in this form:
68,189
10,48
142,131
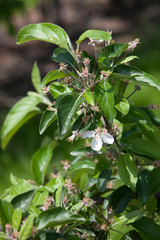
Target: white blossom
100,136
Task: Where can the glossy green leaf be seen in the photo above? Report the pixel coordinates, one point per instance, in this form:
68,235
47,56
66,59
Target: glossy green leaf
144,147
67,107
13,179
47,119
103,177
21,187
39,198
56,89
94,34
127,59
132,235
89,97
45,32
20,113
61,55
104,96
51,76
6,212
154,182
143,184
53,184
26,229
131,73
57,216
130,217
82,165
23,201
40,162
59,196
36,78
115,50
120,198
128,170
147,130
16,218
35,211
123,106
147,228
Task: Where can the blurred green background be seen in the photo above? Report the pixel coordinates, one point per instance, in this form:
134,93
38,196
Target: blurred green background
127,19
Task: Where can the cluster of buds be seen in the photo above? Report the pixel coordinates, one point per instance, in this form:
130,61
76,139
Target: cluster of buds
45,89
66,164
87,202
84,235
72,137
10,233
50,108
104,75
63,67
69,185
133,44
48,201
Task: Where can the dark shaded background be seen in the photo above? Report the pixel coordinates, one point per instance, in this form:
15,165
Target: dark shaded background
127,19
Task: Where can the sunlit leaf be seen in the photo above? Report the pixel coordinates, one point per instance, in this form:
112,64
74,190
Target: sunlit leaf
36,78
57,216
47,119
94,34
16,218
26,229
51,76
45,32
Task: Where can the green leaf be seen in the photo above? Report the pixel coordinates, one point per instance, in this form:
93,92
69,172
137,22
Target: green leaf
130,217
13,179
47,119
39,198
61,55
21,187
53,184
104,96
57,216
26,229
67,107
20,113
154,182
147,228
144,147
40,162
35,211
128,170
120,198
59,196
143,184
3,236
103,177
51,76
115,50
89,97
23,201
36,78
56,89
123,106
6,212
45,32
83,165
94,34
134,74
16,218
127,59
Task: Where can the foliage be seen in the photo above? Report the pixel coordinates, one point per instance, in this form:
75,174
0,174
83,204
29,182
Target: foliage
109,188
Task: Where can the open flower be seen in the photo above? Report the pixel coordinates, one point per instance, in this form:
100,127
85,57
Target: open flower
99,136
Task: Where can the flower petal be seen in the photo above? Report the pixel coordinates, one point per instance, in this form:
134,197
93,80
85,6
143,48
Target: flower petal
88,134
97,143
107,138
